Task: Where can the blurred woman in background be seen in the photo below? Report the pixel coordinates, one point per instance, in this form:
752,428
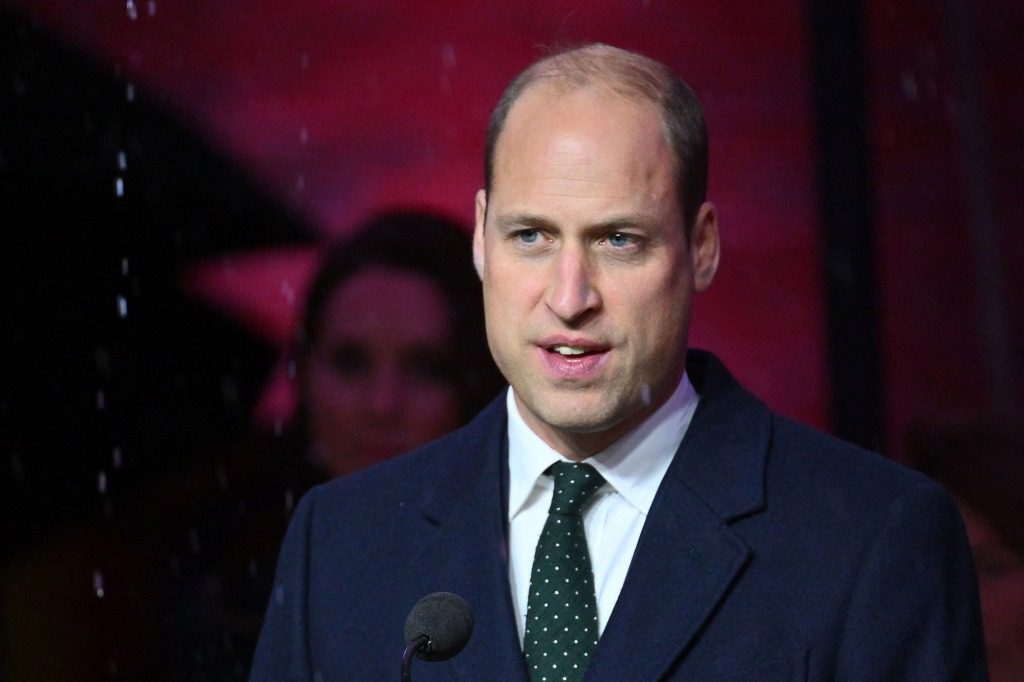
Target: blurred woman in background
392,351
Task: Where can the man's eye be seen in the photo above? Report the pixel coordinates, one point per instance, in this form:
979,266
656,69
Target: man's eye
620,239
528,236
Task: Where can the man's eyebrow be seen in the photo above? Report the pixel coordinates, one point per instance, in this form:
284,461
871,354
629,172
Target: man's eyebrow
532,221
520,220
624,222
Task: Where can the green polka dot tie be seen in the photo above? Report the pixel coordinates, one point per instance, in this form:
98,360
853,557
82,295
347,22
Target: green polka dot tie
561,611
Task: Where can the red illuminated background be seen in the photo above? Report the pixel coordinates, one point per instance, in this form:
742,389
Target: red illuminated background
335,109
341,109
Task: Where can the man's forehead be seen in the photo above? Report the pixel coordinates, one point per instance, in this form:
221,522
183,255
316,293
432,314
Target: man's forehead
580,135
555,106
551,92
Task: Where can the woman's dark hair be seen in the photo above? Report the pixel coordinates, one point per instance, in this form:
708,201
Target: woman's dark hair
437,248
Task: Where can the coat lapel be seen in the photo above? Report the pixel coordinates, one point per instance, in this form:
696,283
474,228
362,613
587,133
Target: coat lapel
467,552
687,557
684,565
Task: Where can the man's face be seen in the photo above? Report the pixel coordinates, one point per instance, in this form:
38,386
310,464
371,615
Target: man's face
586,269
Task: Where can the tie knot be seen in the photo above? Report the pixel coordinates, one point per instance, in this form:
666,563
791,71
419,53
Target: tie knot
575,484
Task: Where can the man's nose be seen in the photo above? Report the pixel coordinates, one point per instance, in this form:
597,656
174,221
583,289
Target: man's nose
572,293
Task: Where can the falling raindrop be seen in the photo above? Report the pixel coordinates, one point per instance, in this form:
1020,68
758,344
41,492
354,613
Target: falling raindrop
151,8
133,12
119,186
97,584
122,160
124,266
291,369
304,135
101,482
288,291
101,400
448,55
117,458
129,92
909,84
289,500
447,64
122,306
300,183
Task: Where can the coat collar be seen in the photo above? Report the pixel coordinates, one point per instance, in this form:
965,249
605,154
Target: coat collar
722,458
469,551
684,564
687,557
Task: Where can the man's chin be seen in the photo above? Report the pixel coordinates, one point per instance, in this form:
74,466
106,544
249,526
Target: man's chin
590,417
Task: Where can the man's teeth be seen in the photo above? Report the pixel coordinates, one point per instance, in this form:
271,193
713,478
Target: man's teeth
568,350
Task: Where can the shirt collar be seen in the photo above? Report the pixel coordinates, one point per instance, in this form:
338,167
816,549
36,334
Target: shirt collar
633,465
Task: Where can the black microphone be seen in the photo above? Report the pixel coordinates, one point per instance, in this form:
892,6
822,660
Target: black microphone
436,629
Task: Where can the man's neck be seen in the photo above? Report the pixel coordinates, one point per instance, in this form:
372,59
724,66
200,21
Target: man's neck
579,445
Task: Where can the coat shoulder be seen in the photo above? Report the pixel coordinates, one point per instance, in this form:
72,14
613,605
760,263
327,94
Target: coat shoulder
445,463
801,454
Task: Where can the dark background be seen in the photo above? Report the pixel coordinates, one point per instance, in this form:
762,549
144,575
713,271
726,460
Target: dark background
167,170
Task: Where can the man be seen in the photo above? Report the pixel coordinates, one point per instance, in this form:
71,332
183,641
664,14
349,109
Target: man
710,540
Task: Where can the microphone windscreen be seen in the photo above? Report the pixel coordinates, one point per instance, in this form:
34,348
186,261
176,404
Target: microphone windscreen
447,621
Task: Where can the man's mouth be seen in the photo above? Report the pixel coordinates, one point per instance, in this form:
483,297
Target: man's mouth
573,359
568,351
574,350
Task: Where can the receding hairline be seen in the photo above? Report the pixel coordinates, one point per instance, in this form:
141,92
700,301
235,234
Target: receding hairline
534,107
629,74
634,77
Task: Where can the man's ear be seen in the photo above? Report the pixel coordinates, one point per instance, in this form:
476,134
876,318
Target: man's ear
705,247
478,232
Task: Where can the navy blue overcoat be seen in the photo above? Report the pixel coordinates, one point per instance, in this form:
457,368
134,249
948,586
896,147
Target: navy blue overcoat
771,552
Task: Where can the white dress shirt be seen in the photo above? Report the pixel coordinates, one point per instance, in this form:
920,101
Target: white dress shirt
632,468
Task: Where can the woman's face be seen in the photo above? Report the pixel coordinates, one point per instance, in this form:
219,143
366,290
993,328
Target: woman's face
378,381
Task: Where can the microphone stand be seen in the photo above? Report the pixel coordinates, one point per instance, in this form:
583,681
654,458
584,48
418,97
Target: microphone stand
410,651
